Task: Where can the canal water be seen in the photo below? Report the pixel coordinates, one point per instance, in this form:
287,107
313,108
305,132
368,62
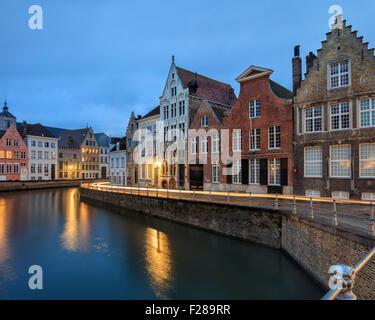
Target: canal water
92,252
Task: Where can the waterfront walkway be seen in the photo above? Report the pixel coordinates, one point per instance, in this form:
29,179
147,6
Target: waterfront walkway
351,215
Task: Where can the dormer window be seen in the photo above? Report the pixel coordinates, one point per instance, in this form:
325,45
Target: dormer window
204,121
174,91
339,74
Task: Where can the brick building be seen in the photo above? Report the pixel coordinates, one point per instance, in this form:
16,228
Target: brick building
252,150
334,110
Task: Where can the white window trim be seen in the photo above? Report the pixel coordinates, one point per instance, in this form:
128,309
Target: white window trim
252,138
329,74
330,162
341,195
304,162
312,193
360,160
330,116
204,142
359,113
216,164
304,120
213,142
275,135
256,171
239,140
239,174
269,172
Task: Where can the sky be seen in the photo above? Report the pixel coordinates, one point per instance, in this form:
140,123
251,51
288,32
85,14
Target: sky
96,61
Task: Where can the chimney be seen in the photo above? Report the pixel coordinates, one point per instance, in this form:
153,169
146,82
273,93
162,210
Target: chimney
118,146
310,61
297,69
24,128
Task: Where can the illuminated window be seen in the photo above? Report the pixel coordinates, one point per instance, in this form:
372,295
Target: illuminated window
313,162
340,163
367,160
274,172
340,194
9,154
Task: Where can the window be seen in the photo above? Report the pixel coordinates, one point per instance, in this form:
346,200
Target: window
365,196
312,193
340,194
216,172
339,74
181,108
313,119
215,147
53,145
194,145
274,172
33,144
274,138
237,176
237,143
165,112
2,168
46,144
33,168
204,144
174,91
9,154
46,168
16,168
340,163
32,154
367,160
340,116
367,111
9,168
254,108
46,155
181,127
313,162
2,154
15,154
204,121
53,155
9,142
39,168
173,110
39,154
16,143
40,144
23,155
255,139
173,132
254,171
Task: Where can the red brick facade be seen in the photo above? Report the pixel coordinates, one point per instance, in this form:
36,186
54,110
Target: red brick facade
273,169
13,156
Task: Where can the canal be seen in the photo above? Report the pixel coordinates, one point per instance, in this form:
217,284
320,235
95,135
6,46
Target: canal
92,252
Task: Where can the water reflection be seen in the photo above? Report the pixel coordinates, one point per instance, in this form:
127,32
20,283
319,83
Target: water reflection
158,262
77,225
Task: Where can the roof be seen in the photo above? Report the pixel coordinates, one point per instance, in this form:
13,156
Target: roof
280,91
72,138
153,112
122,142
55,131
6,113
115,140
102,139
206,88
2,132
220,112
34,130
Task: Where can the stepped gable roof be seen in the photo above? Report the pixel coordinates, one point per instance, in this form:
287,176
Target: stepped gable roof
207,88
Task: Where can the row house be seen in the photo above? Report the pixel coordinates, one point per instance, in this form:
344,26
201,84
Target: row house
42,151
131,145
334,112
104,148
146,155
183,94
78,155
13,150
249,147
117,163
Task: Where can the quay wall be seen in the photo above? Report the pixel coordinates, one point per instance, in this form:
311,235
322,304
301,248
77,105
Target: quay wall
311,244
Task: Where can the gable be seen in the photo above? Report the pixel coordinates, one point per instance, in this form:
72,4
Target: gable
340,45
253,72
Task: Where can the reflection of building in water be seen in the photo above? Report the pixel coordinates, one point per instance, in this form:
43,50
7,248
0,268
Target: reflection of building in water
76,231
158,262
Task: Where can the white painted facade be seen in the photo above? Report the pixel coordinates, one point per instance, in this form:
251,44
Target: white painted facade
117,167
103,161
42,153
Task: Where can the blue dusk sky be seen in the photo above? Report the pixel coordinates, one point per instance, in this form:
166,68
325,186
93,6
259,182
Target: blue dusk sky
95,61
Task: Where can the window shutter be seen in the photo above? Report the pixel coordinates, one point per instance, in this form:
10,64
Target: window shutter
245,171
229,176
263,172
284,171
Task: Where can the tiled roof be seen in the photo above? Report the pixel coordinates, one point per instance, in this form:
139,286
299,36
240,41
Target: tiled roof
122,142
102,139
2,132
280,91
220,112
206,88
152,113
35,130
72,138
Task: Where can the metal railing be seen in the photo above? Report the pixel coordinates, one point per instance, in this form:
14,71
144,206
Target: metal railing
354,215
343,279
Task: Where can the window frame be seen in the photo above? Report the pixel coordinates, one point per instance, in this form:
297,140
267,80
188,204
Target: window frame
306,162
254,172
340,115
216,166
370,111
237,140
277,174
330,162
361,176
274,135
339,74
255,108
254,139
313,118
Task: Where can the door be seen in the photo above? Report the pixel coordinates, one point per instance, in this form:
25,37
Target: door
104,173
196,176
53,171
181,175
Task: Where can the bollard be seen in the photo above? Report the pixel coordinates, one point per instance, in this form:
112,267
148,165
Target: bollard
168,192
311,214
179,195
294,204
147,191
372,220
194,195
335,221
250,199
139,190
228,198
157,192
276,205
209,196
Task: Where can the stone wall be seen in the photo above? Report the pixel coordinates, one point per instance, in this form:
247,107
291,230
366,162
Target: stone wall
314,246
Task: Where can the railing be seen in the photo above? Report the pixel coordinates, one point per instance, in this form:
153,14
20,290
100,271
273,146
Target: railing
352,215
343,279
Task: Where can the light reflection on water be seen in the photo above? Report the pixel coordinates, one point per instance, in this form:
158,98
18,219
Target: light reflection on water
92,252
